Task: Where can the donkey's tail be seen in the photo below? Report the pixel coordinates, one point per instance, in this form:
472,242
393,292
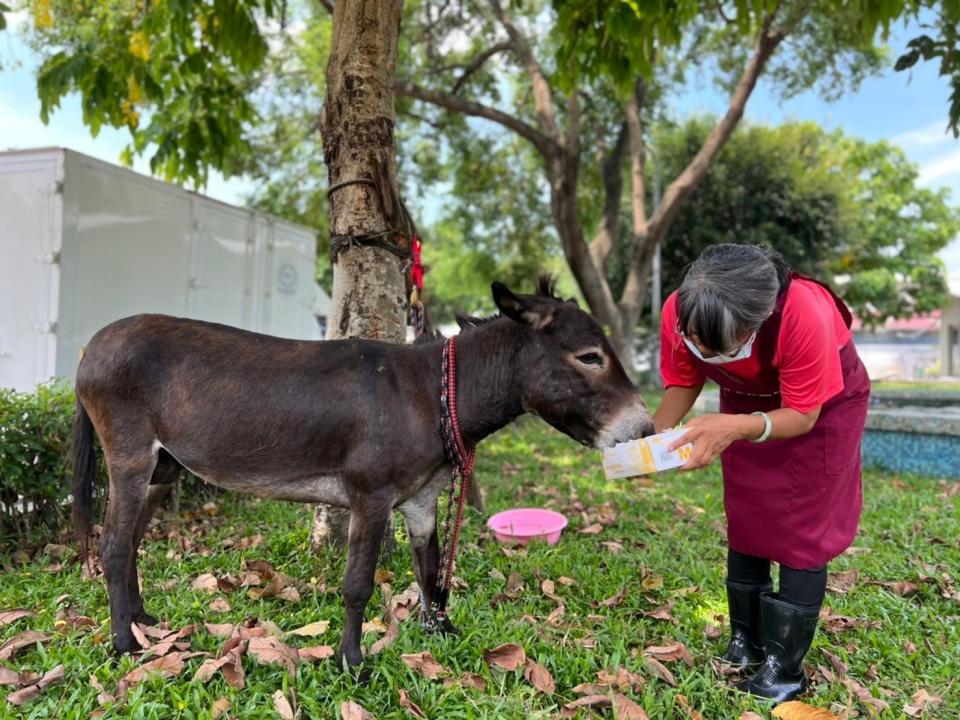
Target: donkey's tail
84,463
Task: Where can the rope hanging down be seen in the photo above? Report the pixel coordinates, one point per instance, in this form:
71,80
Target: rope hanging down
462,459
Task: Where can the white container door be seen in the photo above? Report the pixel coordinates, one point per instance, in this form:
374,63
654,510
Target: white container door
222,255
291,277
30,214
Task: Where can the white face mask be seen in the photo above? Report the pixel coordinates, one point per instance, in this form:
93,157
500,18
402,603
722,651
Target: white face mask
742,354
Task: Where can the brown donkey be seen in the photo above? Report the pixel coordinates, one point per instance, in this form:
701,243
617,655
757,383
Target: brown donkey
353,423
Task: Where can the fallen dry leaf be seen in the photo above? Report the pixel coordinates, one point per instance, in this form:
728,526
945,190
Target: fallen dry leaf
662,612
508,656
312,629
796,710
691,712
622,679
612,546
922,701
373,626
219,708
351,710
393,632
315,654
168,666
10,616
616,599
205,583
103,697
554,617
669,653
282,706
590,701
411,707
626,709
592,529
652,582
658,669
425,664
841,583
21,641
225,630
712,632
514,583
140,636
538,676
549,589
749,715
219,605
31,692
839,667
268,650
864,695
9,677
472,680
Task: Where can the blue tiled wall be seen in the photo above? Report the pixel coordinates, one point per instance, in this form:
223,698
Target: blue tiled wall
924,453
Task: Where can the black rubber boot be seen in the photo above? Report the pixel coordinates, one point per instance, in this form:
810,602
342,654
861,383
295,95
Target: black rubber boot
745,649
788,630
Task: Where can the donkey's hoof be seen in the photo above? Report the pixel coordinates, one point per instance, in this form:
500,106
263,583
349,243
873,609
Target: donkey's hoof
448,628
125,645
145,618
357,669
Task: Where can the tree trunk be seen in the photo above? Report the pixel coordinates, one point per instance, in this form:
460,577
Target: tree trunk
357,123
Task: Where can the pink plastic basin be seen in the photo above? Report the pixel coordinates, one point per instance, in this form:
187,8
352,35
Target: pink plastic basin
525,524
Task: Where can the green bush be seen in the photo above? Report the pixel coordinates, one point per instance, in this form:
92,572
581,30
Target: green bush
35,430
35,433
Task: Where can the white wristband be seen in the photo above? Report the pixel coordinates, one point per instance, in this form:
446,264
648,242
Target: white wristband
767,427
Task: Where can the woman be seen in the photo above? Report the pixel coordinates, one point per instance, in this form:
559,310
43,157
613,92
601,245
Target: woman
793,403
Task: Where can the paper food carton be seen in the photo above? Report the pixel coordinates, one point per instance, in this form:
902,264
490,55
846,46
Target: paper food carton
646,455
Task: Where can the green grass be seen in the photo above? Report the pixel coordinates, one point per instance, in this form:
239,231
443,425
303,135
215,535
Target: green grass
670,530
916,385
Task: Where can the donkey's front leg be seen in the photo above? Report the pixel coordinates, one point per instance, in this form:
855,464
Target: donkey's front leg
366,532
420,516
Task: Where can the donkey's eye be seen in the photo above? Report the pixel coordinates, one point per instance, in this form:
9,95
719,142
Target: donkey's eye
591,358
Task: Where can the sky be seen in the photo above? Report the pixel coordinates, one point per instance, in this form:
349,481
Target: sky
908,108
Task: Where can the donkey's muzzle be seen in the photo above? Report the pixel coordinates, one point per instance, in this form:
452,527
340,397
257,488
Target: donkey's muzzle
630,423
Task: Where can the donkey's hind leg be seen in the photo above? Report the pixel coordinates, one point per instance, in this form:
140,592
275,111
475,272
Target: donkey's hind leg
130,466
161,484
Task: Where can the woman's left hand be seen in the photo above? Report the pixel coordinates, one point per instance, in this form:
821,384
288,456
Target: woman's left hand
710,434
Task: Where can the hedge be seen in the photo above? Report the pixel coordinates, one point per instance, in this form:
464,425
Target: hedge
35,433
35,430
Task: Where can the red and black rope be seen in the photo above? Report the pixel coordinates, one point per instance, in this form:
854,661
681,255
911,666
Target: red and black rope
461,459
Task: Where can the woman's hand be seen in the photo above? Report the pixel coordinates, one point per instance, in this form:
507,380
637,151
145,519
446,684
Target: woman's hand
712,433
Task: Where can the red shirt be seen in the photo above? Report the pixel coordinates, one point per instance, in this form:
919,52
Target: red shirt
807,355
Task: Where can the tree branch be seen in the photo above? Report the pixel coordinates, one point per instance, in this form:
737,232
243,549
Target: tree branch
543,105
680,189
547,146
602,243
476,63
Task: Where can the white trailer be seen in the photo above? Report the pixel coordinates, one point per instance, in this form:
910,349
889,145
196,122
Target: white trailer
83,243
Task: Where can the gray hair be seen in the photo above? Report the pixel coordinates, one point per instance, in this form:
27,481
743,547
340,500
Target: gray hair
728,292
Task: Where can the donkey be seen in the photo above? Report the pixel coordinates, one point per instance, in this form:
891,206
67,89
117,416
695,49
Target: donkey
351,423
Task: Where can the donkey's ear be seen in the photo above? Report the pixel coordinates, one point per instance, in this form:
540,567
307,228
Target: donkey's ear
527,310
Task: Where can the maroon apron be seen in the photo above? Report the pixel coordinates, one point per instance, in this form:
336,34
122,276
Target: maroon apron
795,501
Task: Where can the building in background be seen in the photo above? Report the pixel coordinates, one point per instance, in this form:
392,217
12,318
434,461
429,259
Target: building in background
84,243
